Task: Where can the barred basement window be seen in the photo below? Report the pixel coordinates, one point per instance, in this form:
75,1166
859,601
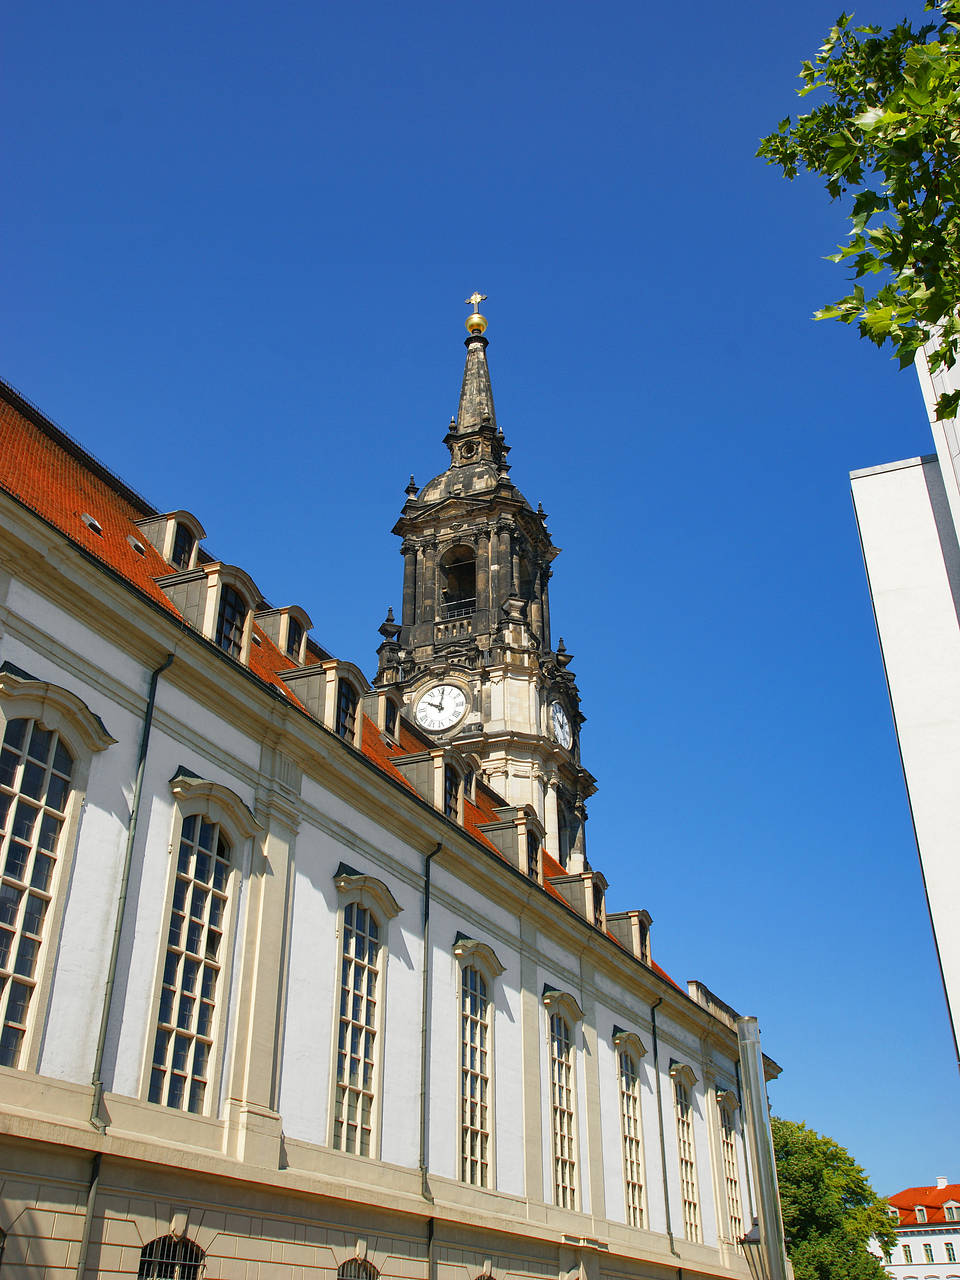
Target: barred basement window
731,1173
168,1258
35,775
346,709
231,621
357,1269
191,972
474,1079
632,1140
688,1165
564,1118
356,1041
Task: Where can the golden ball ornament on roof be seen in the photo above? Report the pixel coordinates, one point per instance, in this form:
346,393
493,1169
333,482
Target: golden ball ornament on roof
476,323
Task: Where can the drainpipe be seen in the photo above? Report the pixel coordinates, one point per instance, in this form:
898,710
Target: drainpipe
663,1145
424,1032
97,1078
760,1137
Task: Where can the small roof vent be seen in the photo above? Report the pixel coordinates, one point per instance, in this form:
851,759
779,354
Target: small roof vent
91,523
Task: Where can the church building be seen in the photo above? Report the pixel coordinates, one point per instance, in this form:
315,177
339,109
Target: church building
306,975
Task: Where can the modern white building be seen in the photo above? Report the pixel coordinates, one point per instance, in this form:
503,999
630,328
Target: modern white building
287,987
909,517
928,1230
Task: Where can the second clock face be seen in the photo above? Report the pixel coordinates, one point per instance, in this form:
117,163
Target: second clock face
441,707
561,725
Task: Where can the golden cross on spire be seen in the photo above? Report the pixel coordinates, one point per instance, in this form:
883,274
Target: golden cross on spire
475,299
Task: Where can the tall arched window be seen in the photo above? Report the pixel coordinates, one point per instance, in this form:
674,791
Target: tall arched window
683,1080
170,1258
458,582
192,969
474,1078
564,1013
359,1024
727,1104
35,776
357,1269
629,1051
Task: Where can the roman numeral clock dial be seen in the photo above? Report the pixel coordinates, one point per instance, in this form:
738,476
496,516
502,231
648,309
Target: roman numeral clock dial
441,707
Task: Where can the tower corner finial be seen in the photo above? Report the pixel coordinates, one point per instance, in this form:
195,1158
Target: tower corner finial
476,323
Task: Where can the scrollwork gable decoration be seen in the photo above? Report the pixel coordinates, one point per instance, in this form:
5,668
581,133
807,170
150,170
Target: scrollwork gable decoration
683,1072
470,952
214,801
629,1042
56,708
562,1002
368,891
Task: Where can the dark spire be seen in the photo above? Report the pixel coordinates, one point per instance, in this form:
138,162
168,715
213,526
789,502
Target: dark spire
476,395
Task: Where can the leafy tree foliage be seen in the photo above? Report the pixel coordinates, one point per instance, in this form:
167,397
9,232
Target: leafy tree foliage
888,135
830,1210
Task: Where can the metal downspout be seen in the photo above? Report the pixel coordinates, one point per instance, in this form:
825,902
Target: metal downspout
95,1117
425,1031
663,1145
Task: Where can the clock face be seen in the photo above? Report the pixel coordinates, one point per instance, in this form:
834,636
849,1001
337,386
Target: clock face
441,707
561,725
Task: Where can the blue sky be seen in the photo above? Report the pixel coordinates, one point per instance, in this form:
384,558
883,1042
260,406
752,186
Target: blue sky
236,241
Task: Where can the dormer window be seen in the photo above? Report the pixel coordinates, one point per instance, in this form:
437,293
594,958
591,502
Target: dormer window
294,638
952,1212
533,855
451,793
920,1212
347,701
390,717
184,544
231,620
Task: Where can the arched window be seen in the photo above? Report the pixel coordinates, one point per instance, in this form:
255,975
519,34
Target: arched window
183,544
170,1258
357,1035
231,620
192,969
533,855
474,1078
629,1050
564,1013
36,770
727,1104
451,792
357,1269
458,582
683,1080
347,701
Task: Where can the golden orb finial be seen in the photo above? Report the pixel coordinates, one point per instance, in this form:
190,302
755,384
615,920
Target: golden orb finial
476,323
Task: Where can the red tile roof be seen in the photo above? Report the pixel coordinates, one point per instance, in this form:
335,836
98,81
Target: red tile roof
931,1198
52,475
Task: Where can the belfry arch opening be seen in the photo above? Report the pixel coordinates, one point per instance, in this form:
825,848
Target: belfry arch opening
458,582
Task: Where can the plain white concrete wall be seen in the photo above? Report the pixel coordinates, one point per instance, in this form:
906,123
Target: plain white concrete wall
910,563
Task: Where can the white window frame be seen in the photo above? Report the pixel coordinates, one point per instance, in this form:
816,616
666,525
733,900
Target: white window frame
627,1044
472,954
84,736
217,804
358,889
562,1005
730,1137
684,1078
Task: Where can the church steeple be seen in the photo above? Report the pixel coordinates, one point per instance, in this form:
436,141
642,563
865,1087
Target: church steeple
474,629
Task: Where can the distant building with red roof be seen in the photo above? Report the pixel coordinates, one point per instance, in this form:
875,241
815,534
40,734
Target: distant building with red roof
928,1229
305,974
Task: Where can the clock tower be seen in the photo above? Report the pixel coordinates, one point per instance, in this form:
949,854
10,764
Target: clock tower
472,656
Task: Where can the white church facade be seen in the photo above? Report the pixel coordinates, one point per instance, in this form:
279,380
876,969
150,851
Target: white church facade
303,975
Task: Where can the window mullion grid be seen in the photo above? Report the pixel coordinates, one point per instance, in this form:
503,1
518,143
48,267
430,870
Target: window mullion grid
564,1147
731,1175
184,1042
688,1169
356,1042
475,1080
35,772
632,1142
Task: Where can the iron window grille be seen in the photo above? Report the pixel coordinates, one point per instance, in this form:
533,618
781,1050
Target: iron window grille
170,1258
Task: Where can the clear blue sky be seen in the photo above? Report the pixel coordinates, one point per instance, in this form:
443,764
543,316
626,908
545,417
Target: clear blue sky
236,241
